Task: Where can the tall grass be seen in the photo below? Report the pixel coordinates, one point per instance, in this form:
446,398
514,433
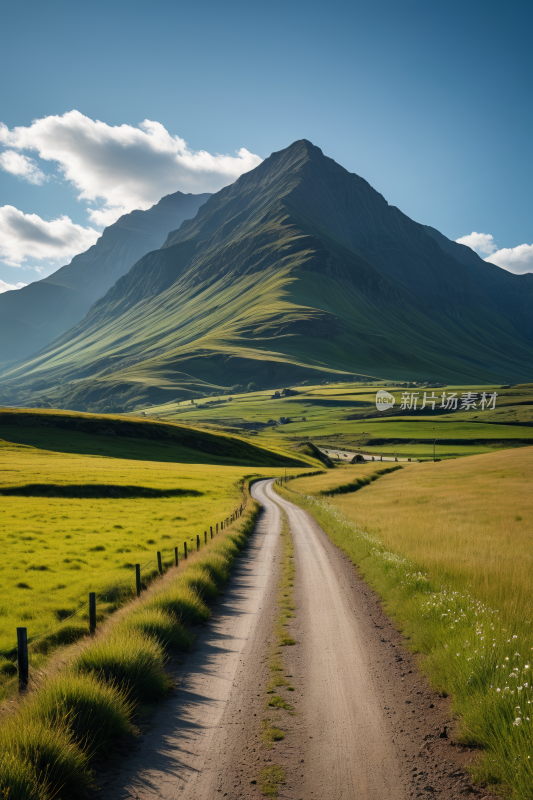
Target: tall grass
56,760
19,780
96,714
181,601
130,660
161,626
471,619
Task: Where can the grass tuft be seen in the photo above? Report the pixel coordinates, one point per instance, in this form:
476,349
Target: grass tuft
183,602
199,580
57,762
130,660
18,780
279,702
277,680
270,733
160,625
270,778
96,714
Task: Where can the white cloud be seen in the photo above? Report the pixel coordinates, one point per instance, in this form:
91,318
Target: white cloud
22,167
482,243
514,259
8,287
27,236
125,167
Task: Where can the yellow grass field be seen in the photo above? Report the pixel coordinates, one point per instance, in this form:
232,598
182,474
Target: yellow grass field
468,521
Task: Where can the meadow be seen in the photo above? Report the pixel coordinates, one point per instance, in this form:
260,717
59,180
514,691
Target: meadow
468,521
448,546
344,415
71,524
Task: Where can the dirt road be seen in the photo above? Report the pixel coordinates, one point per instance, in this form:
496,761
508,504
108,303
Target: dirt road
366,726
352,753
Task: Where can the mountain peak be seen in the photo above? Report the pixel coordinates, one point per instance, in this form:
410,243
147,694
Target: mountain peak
297,269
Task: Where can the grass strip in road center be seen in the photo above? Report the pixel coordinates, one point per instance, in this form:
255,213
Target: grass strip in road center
270,778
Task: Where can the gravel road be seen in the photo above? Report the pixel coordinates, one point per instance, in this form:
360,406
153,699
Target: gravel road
366,724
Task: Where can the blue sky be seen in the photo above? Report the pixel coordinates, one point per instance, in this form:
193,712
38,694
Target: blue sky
430,102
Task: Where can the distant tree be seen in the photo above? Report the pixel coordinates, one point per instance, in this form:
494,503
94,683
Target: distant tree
252,387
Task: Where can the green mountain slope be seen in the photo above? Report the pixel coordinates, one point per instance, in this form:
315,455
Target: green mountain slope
32,317
297,270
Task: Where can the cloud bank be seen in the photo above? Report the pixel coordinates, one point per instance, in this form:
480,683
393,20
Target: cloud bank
514,259
8,287
24,236
121,167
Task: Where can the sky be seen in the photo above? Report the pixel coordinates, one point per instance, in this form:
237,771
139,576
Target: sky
106,107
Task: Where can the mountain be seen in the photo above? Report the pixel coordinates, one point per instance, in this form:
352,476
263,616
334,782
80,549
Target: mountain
32,317
298,270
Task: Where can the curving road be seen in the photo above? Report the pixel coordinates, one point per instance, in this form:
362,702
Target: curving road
362,729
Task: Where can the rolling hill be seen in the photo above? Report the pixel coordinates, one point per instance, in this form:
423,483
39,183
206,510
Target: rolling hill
32,317
298,270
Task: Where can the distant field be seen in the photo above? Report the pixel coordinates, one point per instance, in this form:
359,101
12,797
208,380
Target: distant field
469,522
345,415
54,550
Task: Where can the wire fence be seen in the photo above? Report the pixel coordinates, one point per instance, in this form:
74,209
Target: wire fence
24,644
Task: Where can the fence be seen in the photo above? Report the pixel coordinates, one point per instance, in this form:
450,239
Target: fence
21,663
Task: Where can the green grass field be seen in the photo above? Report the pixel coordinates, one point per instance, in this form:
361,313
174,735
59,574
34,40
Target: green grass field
55,550
79,507
344,415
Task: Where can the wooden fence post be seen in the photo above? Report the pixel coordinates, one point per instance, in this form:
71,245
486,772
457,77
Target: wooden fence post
197,542
216,531
185,548
138,579
211,530
22,658
205,537
92,612
159,563
176,555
